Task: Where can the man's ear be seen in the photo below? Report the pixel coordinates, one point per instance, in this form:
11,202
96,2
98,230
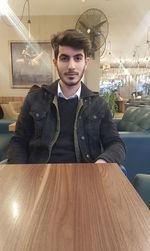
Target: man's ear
87,60
55,61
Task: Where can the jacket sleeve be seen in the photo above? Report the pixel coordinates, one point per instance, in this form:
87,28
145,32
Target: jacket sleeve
114,148
18,147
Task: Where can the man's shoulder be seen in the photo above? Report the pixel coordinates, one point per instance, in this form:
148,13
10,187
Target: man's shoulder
99,100
96,96
43,91
33,93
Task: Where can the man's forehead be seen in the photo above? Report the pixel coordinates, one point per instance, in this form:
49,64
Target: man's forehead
67,50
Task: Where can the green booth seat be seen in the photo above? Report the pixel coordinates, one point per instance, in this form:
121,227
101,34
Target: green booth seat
141,183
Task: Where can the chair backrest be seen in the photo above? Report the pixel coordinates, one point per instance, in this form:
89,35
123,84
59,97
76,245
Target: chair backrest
137,154
141,183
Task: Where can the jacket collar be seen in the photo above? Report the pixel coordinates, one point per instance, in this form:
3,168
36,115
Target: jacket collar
85,92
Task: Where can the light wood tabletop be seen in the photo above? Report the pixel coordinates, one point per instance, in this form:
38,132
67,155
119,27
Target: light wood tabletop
70,207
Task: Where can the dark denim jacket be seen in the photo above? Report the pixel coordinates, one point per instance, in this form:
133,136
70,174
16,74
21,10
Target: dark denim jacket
38,126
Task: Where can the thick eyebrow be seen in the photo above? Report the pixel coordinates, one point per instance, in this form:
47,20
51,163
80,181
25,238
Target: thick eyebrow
63,55
76,55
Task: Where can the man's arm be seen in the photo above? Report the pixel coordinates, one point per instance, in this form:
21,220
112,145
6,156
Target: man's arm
114,148
18,147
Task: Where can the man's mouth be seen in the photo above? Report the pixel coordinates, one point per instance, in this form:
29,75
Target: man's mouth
71,74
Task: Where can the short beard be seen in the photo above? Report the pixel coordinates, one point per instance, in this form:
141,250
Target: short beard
71,83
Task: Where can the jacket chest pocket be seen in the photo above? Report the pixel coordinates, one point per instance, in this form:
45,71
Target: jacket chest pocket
93,126
93,121
39,118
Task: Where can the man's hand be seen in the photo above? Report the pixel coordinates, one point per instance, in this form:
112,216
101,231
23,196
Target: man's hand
100,161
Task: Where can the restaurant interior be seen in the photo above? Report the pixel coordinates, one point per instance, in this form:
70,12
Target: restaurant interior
119,70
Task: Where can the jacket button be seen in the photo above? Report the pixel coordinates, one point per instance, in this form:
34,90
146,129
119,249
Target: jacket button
37,115
88,156
94,117
82,137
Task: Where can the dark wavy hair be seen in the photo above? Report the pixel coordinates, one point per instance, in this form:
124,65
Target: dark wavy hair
72,38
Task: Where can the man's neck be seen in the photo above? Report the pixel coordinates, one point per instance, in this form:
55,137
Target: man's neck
69,90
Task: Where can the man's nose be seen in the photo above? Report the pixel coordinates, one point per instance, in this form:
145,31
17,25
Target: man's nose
71,64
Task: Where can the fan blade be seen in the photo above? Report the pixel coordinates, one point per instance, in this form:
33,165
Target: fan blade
97,42
100,24
102,49
84,25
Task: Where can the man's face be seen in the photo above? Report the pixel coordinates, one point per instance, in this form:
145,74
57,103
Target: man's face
71,64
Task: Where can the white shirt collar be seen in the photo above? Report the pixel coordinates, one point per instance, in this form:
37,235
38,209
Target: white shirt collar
60,93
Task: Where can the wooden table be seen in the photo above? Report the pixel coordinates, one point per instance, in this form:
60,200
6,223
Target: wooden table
74,207
12,127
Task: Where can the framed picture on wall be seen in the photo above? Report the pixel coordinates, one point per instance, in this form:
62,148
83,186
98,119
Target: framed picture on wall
31,64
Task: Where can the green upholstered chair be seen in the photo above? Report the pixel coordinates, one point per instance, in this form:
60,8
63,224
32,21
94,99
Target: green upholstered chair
141,183
135,119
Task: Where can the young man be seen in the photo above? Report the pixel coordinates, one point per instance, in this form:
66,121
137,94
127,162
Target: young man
66,122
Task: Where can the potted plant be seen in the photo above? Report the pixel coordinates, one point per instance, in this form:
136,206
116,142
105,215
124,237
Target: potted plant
111,99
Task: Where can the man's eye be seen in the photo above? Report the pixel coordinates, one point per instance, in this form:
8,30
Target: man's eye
78,58
64,59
